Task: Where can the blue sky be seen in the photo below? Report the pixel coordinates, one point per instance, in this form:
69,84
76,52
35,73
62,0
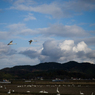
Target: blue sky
64,31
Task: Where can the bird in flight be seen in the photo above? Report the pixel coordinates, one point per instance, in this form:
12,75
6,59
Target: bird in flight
31,41
10,43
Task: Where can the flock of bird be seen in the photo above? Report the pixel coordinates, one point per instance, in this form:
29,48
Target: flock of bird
11,42
42,91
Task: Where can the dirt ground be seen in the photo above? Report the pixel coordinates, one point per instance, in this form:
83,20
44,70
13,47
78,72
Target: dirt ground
67,88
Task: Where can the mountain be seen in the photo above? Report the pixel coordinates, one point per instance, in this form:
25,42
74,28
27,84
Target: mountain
50,70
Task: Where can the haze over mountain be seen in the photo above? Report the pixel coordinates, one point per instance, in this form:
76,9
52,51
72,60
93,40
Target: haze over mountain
49,70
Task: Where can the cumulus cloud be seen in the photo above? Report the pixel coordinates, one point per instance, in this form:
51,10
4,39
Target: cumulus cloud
90,41
52,51
67,51
30,53
61,52
81,47
66,45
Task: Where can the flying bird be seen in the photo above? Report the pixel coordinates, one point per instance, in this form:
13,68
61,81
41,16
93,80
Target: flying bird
31,41
10,43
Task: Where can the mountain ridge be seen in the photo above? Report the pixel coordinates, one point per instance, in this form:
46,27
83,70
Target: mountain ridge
68,69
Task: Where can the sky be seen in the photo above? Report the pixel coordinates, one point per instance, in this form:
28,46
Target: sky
61,30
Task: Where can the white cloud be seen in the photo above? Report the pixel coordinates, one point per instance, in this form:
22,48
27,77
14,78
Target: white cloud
5,50
16,28
9,57
61,52
17,59
19,2
52,51
53,30
4,35
75,5
81,47
64,31
90,41
66,51
20,30
56,9
67,45
28,2
29,17
52,9
30,53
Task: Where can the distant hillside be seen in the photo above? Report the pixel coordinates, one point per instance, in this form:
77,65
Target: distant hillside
50,70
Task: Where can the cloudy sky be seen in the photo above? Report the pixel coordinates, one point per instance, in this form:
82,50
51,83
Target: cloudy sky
62,30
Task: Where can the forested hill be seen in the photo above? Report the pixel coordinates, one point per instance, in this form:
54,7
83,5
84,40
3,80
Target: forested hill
62,70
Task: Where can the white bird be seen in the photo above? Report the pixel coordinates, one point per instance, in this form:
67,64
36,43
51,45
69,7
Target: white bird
10,43
13,91
9,92
81,93
92,93
43,91
28,91
58,93
32,41
1,86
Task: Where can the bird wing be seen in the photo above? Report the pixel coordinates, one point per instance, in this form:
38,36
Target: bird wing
30,41
10,42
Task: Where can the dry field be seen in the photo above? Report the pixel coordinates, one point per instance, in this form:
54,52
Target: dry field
33,88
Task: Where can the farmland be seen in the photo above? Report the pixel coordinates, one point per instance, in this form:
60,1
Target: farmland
20,87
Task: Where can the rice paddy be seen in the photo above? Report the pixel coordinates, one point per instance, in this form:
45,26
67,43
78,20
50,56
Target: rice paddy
34,88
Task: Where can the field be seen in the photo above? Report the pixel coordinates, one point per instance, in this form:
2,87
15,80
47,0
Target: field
34,87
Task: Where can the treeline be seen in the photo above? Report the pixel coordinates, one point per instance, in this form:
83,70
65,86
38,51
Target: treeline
50,74
50,70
